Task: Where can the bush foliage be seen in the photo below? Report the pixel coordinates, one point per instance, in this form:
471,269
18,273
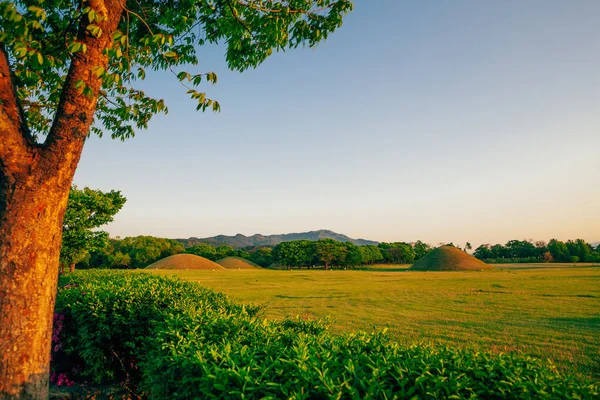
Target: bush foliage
172,339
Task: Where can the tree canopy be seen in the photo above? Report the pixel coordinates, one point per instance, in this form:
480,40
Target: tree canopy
527,251
87,210
43,38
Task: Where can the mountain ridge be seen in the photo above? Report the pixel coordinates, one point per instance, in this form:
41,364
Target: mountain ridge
241,241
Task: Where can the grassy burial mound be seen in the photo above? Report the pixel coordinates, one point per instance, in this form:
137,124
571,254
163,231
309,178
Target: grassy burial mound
184,261
449,258
237,263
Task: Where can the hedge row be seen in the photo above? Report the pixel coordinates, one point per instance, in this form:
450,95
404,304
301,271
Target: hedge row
171,339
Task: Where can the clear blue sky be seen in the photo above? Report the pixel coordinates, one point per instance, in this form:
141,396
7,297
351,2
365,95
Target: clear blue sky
441,121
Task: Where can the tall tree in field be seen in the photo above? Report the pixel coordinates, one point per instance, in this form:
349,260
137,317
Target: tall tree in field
87,209
558,250
68,68
329,251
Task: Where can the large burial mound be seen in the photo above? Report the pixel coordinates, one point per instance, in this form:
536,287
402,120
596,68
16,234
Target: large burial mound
237,263
184,261
449,258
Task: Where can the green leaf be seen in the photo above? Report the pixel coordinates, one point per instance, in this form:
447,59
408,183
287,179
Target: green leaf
39,12
74,47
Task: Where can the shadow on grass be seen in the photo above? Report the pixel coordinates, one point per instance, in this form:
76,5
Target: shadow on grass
331,296
549,266
585,296
381,269
592,323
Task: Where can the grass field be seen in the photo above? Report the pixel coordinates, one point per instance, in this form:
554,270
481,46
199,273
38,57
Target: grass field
549,311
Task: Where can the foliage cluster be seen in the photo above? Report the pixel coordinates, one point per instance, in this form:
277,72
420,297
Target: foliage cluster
134,252
171,339
328,252
140,251
216,253
526,251
87,209
42,38
108,318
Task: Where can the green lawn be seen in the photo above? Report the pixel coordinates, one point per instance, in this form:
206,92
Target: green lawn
551,312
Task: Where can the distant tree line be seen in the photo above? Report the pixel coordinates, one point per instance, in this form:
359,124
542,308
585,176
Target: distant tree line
515,251
141,251
331,253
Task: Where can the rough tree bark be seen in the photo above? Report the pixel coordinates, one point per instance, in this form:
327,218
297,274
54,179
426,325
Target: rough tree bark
34,188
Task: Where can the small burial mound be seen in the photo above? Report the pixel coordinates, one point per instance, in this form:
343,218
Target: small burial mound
237,263
184,261
449,258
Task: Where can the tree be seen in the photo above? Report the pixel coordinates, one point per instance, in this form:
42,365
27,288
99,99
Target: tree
330,252
520,249
483,252
596,254
203,250
87,209
224,251
144,250
574,260
397,253
579,248
421,249
468,246
295,253
370,254
558,250
499,251
353,255
261,256
70,68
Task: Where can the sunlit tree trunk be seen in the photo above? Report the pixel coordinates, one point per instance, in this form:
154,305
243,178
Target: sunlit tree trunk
30,237
34,188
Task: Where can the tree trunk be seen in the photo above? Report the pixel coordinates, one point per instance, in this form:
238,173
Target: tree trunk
34,188
30,238
72,267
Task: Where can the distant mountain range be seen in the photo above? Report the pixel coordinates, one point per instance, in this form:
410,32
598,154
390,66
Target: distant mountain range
240,241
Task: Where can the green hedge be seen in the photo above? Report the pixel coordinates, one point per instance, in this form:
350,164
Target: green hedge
176,340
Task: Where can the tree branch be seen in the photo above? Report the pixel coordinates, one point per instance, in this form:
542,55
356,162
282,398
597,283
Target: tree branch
258,7
75,111
238,19
16,142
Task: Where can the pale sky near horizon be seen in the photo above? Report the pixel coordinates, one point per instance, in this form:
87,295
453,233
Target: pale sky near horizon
439,121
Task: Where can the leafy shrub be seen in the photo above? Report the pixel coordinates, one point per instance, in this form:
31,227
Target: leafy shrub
109,317
177,340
